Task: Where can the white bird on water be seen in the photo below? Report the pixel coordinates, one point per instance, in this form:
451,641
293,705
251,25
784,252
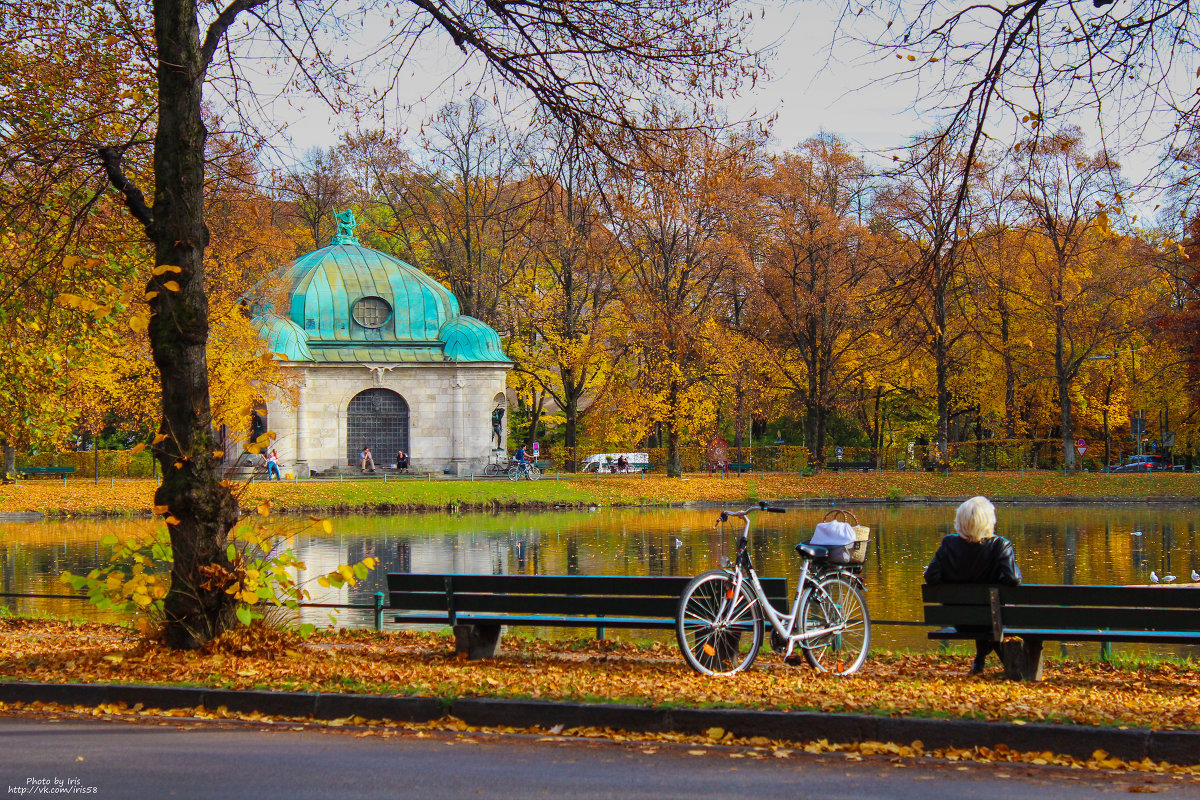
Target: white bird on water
1195,575
1168,578
1153,577
678,543
1136,533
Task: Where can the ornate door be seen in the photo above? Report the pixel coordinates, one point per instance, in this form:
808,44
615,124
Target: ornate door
377,418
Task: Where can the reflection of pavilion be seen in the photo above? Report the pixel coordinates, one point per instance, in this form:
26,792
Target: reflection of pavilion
385,360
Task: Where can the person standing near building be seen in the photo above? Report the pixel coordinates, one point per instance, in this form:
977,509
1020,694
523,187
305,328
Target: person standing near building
273,466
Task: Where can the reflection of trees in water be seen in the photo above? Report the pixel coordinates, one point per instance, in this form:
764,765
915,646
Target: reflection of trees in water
1081,544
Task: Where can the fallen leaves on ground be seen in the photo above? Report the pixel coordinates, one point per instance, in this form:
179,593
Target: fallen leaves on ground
1158,695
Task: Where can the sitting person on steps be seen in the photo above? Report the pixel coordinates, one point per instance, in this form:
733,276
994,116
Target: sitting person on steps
974,554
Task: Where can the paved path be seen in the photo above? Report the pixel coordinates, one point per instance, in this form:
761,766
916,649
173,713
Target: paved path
112,759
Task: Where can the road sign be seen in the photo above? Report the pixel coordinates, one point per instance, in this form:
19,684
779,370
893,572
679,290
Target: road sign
1081,446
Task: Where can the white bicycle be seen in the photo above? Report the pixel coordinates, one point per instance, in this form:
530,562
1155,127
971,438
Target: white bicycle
723,613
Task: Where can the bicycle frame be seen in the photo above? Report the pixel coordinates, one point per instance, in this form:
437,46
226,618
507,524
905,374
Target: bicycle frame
784,625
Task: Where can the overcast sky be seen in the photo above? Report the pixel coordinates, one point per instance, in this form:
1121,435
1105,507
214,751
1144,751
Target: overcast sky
812,89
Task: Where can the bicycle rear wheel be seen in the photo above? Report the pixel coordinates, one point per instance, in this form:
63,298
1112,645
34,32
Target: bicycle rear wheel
718,634
837,603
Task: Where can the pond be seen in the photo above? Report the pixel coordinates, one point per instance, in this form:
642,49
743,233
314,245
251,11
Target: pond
1085,544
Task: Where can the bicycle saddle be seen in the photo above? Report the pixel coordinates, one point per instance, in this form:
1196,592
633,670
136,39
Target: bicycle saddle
812,550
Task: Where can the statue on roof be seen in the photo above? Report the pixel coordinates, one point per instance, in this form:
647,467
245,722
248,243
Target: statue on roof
346,226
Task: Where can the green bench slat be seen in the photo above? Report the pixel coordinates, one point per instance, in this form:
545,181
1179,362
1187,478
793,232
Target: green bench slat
45,470
1152,637
1050,594
538,620
594,600
570,605
540,584
1079,618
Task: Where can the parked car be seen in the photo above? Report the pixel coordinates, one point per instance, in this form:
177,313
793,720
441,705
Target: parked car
1144,464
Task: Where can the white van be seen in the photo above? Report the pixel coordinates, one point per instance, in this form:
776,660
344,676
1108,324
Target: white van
607,462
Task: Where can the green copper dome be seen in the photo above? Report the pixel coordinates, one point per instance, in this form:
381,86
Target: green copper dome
351,304
283,336
467,339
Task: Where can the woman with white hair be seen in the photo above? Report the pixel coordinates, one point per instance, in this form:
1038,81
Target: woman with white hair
975,554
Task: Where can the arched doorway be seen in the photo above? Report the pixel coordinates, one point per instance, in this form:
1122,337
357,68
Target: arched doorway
377,418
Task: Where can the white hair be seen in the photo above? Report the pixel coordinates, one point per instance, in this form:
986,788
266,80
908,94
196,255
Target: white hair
975,519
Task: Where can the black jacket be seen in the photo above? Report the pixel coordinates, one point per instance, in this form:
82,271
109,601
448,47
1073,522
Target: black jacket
959,561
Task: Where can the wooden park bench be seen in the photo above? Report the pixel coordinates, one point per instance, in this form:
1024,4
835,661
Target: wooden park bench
852,466
476,606
31,472
1037,612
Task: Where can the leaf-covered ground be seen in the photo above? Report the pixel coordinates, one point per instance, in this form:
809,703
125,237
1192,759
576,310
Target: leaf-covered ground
133,496
1160,695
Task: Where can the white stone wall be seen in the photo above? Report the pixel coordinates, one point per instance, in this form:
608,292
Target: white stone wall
449,414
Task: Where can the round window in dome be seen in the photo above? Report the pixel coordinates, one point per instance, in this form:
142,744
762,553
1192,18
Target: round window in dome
372,312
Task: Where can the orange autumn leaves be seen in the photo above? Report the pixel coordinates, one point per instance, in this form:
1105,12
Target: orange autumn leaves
1156,695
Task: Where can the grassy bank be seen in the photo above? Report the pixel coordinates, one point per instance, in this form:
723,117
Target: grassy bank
133,496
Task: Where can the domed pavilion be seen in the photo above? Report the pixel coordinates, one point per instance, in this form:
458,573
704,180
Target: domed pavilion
384,360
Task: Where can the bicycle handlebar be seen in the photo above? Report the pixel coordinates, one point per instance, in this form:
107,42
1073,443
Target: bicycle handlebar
742,515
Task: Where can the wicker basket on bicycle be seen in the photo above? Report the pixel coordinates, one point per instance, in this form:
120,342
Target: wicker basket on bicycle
852,552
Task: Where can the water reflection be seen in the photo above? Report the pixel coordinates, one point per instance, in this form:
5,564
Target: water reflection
1075,545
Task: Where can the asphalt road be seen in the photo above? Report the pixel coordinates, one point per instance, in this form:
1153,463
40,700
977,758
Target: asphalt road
104,759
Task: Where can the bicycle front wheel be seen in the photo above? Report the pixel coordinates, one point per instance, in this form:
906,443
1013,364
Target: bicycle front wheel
533,472
837,606
718,633
514,474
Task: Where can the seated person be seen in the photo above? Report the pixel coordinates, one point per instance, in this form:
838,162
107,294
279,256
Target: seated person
367,459
401,460
974,554
622,464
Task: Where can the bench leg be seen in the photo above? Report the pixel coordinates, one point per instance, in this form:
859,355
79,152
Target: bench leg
473,642
1022,659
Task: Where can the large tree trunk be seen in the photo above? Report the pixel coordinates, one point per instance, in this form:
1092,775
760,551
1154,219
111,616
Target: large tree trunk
197,607
674,460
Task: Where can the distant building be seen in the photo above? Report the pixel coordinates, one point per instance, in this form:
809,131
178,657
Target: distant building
385,360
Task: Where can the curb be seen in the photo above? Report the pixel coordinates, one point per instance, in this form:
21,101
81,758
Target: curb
1130,744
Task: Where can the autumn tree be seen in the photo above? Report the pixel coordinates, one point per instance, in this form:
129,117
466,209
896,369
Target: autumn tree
587,65
318,189
921,215
564,302
462,217
821,273
1080,279
57,238
672,218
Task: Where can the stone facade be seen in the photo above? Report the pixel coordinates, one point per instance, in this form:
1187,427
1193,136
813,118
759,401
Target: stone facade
449,407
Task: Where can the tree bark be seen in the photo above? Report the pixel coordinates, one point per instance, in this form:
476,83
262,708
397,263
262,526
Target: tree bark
196,607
